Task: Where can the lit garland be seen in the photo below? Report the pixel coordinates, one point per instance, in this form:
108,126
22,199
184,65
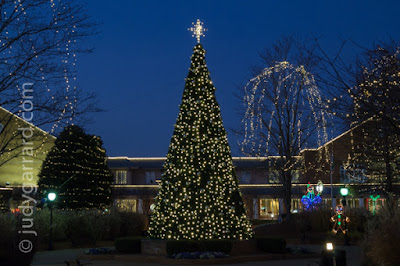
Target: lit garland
199,195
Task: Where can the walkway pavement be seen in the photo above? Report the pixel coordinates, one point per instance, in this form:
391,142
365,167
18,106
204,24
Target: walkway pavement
58,258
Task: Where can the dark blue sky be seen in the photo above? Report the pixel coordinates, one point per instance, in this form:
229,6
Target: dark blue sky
142,56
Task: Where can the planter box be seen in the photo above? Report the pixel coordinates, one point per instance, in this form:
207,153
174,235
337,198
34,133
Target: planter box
153,247
159,247
244,247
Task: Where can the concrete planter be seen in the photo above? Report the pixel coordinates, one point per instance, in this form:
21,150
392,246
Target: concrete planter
159,247
153,247
244,247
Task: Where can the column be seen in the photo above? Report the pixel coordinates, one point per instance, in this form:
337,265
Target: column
140,205
255,208
361,203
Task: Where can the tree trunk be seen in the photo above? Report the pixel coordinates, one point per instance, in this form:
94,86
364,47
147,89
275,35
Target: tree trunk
388,169
287,195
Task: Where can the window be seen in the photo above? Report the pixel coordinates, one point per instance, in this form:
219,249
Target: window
353,173
274,176
244,177
126,205
295,206
269,208
352,203
295,176
150,177
327,203
121,177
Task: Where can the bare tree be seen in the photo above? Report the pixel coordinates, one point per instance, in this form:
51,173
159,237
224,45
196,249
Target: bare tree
366,90
39,43
284,111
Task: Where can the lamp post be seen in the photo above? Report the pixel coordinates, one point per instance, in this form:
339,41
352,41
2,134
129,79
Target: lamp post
51,197
344,191
319,187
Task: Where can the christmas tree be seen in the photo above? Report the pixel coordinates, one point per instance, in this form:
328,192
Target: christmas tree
76,170
199,196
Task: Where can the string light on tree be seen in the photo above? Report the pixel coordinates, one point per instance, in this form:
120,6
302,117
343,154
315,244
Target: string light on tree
81,156
284,114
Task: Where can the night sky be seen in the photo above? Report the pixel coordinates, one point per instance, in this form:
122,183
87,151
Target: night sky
142,56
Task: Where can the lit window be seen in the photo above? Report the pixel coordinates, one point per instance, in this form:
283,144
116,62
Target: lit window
269,208
126,205
295,206
121,177
150,177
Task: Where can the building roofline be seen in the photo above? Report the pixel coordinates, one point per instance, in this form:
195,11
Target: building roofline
338,137
164,158
15,115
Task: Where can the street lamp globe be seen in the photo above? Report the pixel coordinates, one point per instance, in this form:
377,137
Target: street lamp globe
344,191
320,187
51,196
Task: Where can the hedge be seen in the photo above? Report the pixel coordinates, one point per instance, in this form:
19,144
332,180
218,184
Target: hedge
128,244
272,245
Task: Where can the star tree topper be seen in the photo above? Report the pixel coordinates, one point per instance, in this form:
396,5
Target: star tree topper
198,30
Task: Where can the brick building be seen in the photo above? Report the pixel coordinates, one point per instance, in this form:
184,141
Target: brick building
136,179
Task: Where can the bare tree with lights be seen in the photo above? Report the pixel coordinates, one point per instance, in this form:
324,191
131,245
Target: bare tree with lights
284,112
366,92
39,44
377,100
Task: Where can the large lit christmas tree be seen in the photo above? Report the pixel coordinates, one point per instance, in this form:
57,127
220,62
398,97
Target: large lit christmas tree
199,195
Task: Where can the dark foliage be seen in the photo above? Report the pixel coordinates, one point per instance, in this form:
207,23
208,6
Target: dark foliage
77,171
272,245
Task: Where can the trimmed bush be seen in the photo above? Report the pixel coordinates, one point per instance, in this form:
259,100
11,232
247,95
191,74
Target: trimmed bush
272,245
382,236
10,253
316,220
132,224
128,244
179,246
